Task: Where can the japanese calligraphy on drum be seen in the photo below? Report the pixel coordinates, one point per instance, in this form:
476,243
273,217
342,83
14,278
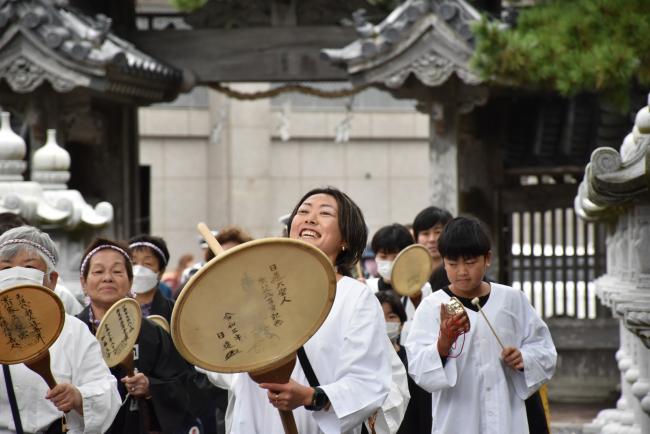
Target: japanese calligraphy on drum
253,305
31,318
118,331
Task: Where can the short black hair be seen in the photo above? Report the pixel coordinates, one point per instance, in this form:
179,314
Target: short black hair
463,237
156,241
351,224
428,218
392,299
391,239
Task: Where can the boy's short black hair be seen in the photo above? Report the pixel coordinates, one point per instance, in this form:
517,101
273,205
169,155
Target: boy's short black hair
391,239
428,218
465,238
392,299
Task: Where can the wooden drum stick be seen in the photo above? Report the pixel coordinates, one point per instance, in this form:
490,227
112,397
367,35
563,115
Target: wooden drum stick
476,302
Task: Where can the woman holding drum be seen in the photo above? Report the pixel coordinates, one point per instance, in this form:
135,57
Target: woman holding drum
86,390
350,363
157,399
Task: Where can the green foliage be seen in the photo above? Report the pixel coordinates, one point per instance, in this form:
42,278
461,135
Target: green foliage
187,5
570,46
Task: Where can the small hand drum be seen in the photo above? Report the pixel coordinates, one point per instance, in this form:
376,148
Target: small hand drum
253,305
31,319
118,332
160,321
411,270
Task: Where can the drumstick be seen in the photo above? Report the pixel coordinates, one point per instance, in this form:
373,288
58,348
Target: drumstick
476,303
210,239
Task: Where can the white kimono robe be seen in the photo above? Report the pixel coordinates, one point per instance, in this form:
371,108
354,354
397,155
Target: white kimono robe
76,358
409,307
348,355
476,392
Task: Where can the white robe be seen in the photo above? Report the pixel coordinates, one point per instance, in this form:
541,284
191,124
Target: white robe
76,358
476,392
373,283
348,355
70,304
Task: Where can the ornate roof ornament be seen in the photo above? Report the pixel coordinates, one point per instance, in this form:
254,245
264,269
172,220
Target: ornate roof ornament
428,39
614,178
50,42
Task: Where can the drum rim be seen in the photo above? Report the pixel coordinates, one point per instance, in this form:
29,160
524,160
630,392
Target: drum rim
134,338
397,261
45,348
156,318
251,367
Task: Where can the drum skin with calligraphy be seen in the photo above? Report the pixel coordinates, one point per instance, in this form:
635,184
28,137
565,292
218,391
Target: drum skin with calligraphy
253,305
118,331
31,319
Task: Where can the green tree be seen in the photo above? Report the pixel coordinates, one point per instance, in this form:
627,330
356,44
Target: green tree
570,46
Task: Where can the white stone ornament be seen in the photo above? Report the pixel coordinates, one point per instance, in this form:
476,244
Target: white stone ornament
51,164
12,152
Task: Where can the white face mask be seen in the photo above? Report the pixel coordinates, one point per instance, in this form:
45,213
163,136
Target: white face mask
393,329
144,279
20,276
384,268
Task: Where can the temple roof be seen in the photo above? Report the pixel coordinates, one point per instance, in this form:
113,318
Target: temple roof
430,39
614,178
49,41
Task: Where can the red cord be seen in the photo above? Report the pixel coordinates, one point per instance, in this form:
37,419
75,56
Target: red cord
453,345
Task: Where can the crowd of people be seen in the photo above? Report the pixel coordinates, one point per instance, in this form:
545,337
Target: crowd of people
379,363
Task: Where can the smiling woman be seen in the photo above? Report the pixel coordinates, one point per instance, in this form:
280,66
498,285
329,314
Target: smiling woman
350,352
160,393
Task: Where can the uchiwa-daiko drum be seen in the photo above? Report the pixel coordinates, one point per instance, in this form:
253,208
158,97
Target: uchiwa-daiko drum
118,332
31,319
250,309
411,270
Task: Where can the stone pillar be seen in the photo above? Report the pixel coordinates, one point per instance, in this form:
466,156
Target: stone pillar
444,156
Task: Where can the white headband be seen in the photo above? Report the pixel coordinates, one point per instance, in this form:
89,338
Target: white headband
30,243
151,246
97,249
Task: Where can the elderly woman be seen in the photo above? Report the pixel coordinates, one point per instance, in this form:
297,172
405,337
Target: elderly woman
348,353
86,390
158,399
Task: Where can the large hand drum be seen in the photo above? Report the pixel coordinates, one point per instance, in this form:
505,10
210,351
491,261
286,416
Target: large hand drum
250,309
411,270
31,319
118,332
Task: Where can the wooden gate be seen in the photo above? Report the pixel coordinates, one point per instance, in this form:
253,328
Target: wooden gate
545,249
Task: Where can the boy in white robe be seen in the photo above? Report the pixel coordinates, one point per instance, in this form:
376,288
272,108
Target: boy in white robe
476,386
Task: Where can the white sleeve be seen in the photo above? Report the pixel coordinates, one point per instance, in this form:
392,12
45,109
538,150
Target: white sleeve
93,379
219,379
70,304
425,365
390,415
363,372
537,350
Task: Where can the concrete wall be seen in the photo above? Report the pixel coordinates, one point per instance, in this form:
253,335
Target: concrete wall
223,162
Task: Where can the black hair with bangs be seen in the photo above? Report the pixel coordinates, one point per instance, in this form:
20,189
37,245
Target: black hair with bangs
392,299
465,238
391,239
351,224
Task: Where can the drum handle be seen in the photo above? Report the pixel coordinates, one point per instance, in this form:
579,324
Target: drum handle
210,239
288,422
